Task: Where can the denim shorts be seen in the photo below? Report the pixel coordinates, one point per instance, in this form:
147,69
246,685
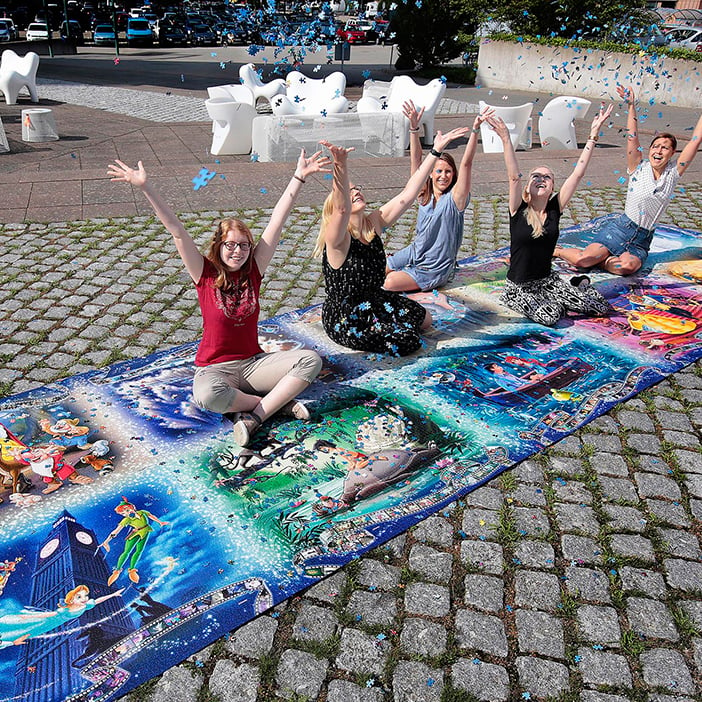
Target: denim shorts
621,234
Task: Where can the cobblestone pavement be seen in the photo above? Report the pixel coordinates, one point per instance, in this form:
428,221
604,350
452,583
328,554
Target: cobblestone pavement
575,576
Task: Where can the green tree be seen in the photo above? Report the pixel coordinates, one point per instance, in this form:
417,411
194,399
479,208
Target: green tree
570,19
426,31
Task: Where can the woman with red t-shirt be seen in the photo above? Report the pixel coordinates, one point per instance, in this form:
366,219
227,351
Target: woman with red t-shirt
233,374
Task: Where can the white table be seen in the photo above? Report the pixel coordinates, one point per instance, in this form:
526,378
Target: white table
38,124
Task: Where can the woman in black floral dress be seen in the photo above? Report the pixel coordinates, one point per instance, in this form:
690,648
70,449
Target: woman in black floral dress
358,312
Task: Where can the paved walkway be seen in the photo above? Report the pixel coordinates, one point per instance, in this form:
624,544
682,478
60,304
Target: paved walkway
575,576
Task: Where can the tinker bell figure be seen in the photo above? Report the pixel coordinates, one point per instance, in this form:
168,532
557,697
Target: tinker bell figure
15,629
138,521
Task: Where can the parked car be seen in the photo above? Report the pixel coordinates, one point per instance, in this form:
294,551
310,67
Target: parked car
71,31
139,32
380,32
11,28
171,34
104,35
233,34
37,31
4,32
201,35
350,34
681,37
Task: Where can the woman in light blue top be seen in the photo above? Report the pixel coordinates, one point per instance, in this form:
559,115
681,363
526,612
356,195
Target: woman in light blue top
430,260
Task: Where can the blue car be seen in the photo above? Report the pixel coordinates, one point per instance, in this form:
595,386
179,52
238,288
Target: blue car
103,35
139,32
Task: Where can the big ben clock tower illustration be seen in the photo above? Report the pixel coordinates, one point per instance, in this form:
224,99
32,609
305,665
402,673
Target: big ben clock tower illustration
67,557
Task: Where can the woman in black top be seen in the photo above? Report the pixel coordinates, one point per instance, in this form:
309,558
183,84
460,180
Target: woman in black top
531,288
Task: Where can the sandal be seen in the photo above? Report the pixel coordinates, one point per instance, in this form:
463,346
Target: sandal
244,428
295,408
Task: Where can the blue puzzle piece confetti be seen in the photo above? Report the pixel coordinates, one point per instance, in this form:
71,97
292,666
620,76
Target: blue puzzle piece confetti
203,178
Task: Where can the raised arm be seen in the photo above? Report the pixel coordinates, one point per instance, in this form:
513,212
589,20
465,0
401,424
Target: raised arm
633,147
572,181
392,210
513,175
415,117
691,148
336,234
192,258
461,190
268,243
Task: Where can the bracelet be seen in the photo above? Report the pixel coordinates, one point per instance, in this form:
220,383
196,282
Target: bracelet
595,138
475,131
297,177
413,131
434,152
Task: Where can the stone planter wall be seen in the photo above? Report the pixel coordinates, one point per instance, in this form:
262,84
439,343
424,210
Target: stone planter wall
588,72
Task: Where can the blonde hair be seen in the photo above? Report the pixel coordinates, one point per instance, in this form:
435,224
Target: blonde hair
214,253
367,232
532,218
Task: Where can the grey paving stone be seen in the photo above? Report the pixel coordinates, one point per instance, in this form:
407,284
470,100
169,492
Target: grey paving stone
423,638
375,574
693,482
373,608
654,485
485,681
593,696
231,682
696,509
431,564
642,580
486,497
651,618
604,668
635,420
540,633
587,584
300,673
483,555
254,639
346,691
620,518
603,443
683,575
669,512
480,522
416,682
580,550
571,445
682,544
565,464
531,521
664,667
683,439
599,625
571,491
529,495
644,443
481,632
542,678
329,588
653,464
604,424
484,592
424,598
689,461
614,489
529,472
576,518
693,609
632,546
361,653
436,530
180,683
534,554
395,546
314,623
674,420
536,590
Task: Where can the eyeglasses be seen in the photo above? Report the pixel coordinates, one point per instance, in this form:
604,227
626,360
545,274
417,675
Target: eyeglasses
541,176
234,245
356,187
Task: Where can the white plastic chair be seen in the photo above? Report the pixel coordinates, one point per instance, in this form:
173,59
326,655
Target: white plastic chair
251,79
4,144
518,121
231,126
400,90
233,91
17,72
556,123
312,96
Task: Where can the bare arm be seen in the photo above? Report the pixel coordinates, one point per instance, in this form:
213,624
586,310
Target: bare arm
461,190
572,181
189,253
513,174
268,243
336,234
691,148
415,117
392,210
633,146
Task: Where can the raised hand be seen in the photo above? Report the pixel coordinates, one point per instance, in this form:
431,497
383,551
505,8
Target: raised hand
412,113
339,153
626,93
121,172
316,163
600,118
498,124
441,140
